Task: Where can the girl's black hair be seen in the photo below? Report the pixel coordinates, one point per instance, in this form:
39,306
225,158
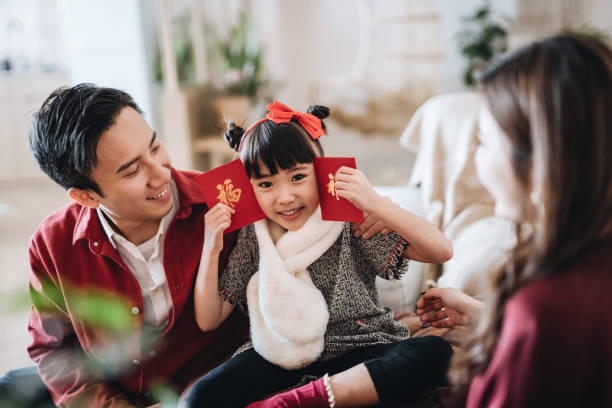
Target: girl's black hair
277,145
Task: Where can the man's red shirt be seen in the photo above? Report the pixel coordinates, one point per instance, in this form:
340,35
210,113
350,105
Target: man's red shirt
88,364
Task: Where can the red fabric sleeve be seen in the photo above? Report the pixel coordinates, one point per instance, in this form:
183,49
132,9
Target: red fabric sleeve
69,375
539,359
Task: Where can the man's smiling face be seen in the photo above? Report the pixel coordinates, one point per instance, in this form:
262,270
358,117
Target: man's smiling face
133,172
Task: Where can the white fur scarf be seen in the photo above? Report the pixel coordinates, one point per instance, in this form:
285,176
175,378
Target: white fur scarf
288,313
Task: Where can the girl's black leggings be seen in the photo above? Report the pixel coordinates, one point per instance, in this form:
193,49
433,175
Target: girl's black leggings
401,372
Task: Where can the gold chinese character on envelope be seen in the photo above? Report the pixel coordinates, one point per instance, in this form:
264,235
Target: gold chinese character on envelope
334,207
228,195
331,186
230,185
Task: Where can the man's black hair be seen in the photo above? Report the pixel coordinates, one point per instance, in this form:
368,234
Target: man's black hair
66,130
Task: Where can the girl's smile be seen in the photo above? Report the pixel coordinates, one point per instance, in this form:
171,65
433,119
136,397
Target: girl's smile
291,214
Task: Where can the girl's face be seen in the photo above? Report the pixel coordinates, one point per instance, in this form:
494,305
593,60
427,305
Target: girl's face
494,167
289,197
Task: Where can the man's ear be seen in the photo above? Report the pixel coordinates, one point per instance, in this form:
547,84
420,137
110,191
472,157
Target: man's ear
86,198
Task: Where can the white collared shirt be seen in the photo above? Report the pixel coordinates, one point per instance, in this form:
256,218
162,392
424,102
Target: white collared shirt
146,262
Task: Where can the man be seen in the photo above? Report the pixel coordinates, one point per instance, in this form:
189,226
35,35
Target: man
112,320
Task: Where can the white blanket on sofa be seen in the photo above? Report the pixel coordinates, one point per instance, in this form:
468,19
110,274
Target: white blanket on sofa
443,133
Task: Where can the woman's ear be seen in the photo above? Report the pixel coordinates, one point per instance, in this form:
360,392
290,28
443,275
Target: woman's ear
84,197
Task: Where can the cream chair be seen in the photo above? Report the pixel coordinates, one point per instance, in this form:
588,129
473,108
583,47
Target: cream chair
443,134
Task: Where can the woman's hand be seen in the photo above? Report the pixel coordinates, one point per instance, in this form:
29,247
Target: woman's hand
353,185
448,307
216,221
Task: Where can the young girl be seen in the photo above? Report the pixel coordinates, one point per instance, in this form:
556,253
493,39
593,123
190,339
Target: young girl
308,284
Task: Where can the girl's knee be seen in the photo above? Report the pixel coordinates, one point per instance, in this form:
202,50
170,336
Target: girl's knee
438,346
203,393
428,354
437,352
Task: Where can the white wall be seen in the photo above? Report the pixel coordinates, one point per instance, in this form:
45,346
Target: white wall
105,45
310,40
29,35
602,15
305,41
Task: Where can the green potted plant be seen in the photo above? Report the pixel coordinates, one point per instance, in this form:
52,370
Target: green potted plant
238,75
235,59
241,55
481,41
183,52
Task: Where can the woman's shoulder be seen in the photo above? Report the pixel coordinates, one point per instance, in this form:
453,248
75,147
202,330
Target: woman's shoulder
585,284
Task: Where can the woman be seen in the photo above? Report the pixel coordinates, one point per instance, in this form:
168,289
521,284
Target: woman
545,334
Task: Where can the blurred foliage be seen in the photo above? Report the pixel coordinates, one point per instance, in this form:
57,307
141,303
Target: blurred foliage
166,396
241,54
103,311
481,41
234,58
94,307
183,52
99,309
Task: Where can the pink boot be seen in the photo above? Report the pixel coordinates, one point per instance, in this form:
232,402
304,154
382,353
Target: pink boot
311,395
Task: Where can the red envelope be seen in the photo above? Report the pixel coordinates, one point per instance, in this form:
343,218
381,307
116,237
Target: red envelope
334,208
231,185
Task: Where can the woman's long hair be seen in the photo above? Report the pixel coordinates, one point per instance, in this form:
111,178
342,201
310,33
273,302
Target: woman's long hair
553,101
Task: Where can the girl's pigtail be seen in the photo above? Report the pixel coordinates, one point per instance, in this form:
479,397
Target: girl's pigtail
233,135
320,112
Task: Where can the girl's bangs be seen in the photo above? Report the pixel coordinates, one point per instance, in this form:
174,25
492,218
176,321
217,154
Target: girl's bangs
276,146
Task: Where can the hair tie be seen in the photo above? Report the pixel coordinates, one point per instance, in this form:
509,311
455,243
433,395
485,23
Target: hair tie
281,113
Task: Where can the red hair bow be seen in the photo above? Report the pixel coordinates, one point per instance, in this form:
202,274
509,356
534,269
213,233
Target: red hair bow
281,113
